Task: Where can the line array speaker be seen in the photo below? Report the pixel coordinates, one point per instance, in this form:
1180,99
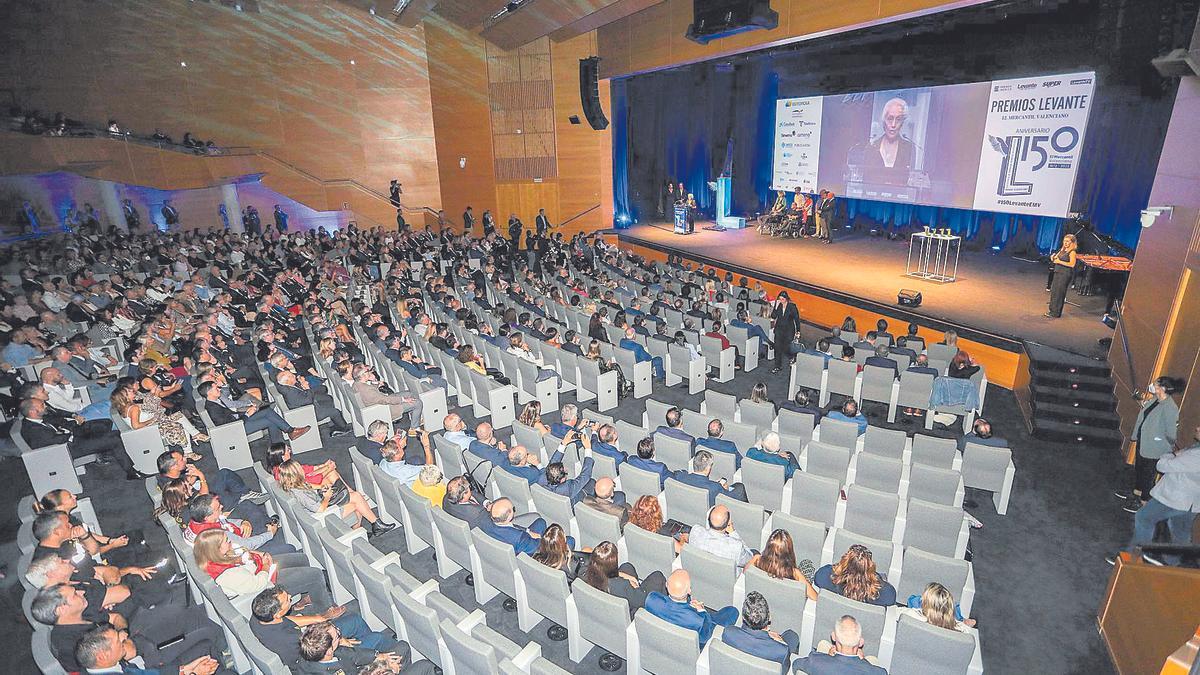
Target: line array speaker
589,92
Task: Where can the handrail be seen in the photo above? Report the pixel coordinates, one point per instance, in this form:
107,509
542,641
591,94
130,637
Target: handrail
577,215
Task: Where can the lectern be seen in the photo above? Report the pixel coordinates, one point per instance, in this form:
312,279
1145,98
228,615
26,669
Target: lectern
724,190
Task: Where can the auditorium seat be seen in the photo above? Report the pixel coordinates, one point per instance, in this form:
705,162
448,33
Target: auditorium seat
808,372
717,405
686,503
764,483
808,536
596,526
721,359
604,622
815,496
725,659
842,379
873,513
919,568
498,567
749,520
548,596
840,433
648,551
797,424
761,416
871,618
681,368
934,451
667,648
923,649
940,486
879,473
891,443
824,459
936,528
879,386
992,469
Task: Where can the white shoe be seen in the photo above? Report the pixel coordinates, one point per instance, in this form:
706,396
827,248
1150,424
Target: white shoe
974,522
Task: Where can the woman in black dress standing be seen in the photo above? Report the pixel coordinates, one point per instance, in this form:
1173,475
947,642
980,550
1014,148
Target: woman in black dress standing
1064,267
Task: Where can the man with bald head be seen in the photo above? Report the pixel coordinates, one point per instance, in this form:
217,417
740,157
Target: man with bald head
456,431
844,657
523,464
678,607
608,500
500,526
487,446
66,397
718,537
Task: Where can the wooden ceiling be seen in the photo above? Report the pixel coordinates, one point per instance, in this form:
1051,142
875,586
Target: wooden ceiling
532,19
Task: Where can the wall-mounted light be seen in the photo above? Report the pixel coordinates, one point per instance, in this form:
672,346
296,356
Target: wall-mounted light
1150,214
462,162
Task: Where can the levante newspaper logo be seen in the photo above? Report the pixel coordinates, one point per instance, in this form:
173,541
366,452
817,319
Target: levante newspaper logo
1029,151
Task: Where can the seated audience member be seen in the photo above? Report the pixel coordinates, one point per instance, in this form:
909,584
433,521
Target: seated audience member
640,355
240,572
849,412
758,394
555,478
37,432
324,650
377,433
67,609
755,636
677,606
107,649
802,403
770,451
352,506
647,514
752,330
487,446
398,462
316,475
845,656
603,573
501,525
936,606
531,416
278,620
855,577
674,426
778,560
205,513
920,364
717,334
606,499
911,342
882,336
523,464
715,443
94,543
882,358
370,392
431,485
553,551
456,431
568,416
463,504
718,537
605,443
962,366
297,392
645,460
981,434
255,418
698,476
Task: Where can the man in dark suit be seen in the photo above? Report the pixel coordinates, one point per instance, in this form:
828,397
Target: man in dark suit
322,651
500,526
882,334
785,319
640,355
571,343
524,464
104,649
555,477
542,223
715,443
38,433
882,360
644,460
981,434
170,215
674,427
678,607
486,446
296,393
698,477
371,447
802,403
461,503
844,657
921,365
255,419
605,444
755,636
468,221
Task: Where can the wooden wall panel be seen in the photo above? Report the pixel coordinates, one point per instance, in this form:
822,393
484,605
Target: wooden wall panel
584,154
654,37
280,80
458,84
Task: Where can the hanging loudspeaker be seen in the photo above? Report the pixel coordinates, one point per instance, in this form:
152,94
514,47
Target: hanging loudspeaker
589,92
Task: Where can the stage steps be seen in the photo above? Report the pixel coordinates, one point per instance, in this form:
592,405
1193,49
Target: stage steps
1071,398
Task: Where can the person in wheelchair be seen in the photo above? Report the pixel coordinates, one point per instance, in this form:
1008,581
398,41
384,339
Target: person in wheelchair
771,219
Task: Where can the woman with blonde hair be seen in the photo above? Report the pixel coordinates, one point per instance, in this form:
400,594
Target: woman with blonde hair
241,573
758,393
936,607
778,560
855,577
1064,269
353,507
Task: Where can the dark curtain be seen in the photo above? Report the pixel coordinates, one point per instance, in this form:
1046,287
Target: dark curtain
679,121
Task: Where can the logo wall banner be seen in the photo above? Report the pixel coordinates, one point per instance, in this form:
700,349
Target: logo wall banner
1032,141
797,144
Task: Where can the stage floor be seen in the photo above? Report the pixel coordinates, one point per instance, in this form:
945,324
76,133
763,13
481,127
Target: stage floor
993,293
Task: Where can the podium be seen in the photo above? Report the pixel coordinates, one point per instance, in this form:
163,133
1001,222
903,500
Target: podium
724,190
681,219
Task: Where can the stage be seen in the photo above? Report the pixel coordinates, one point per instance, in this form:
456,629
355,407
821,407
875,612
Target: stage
996,299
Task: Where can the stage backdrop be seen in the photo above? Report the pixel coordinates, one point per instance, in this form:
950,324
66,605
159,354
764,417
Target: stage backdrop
676,123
